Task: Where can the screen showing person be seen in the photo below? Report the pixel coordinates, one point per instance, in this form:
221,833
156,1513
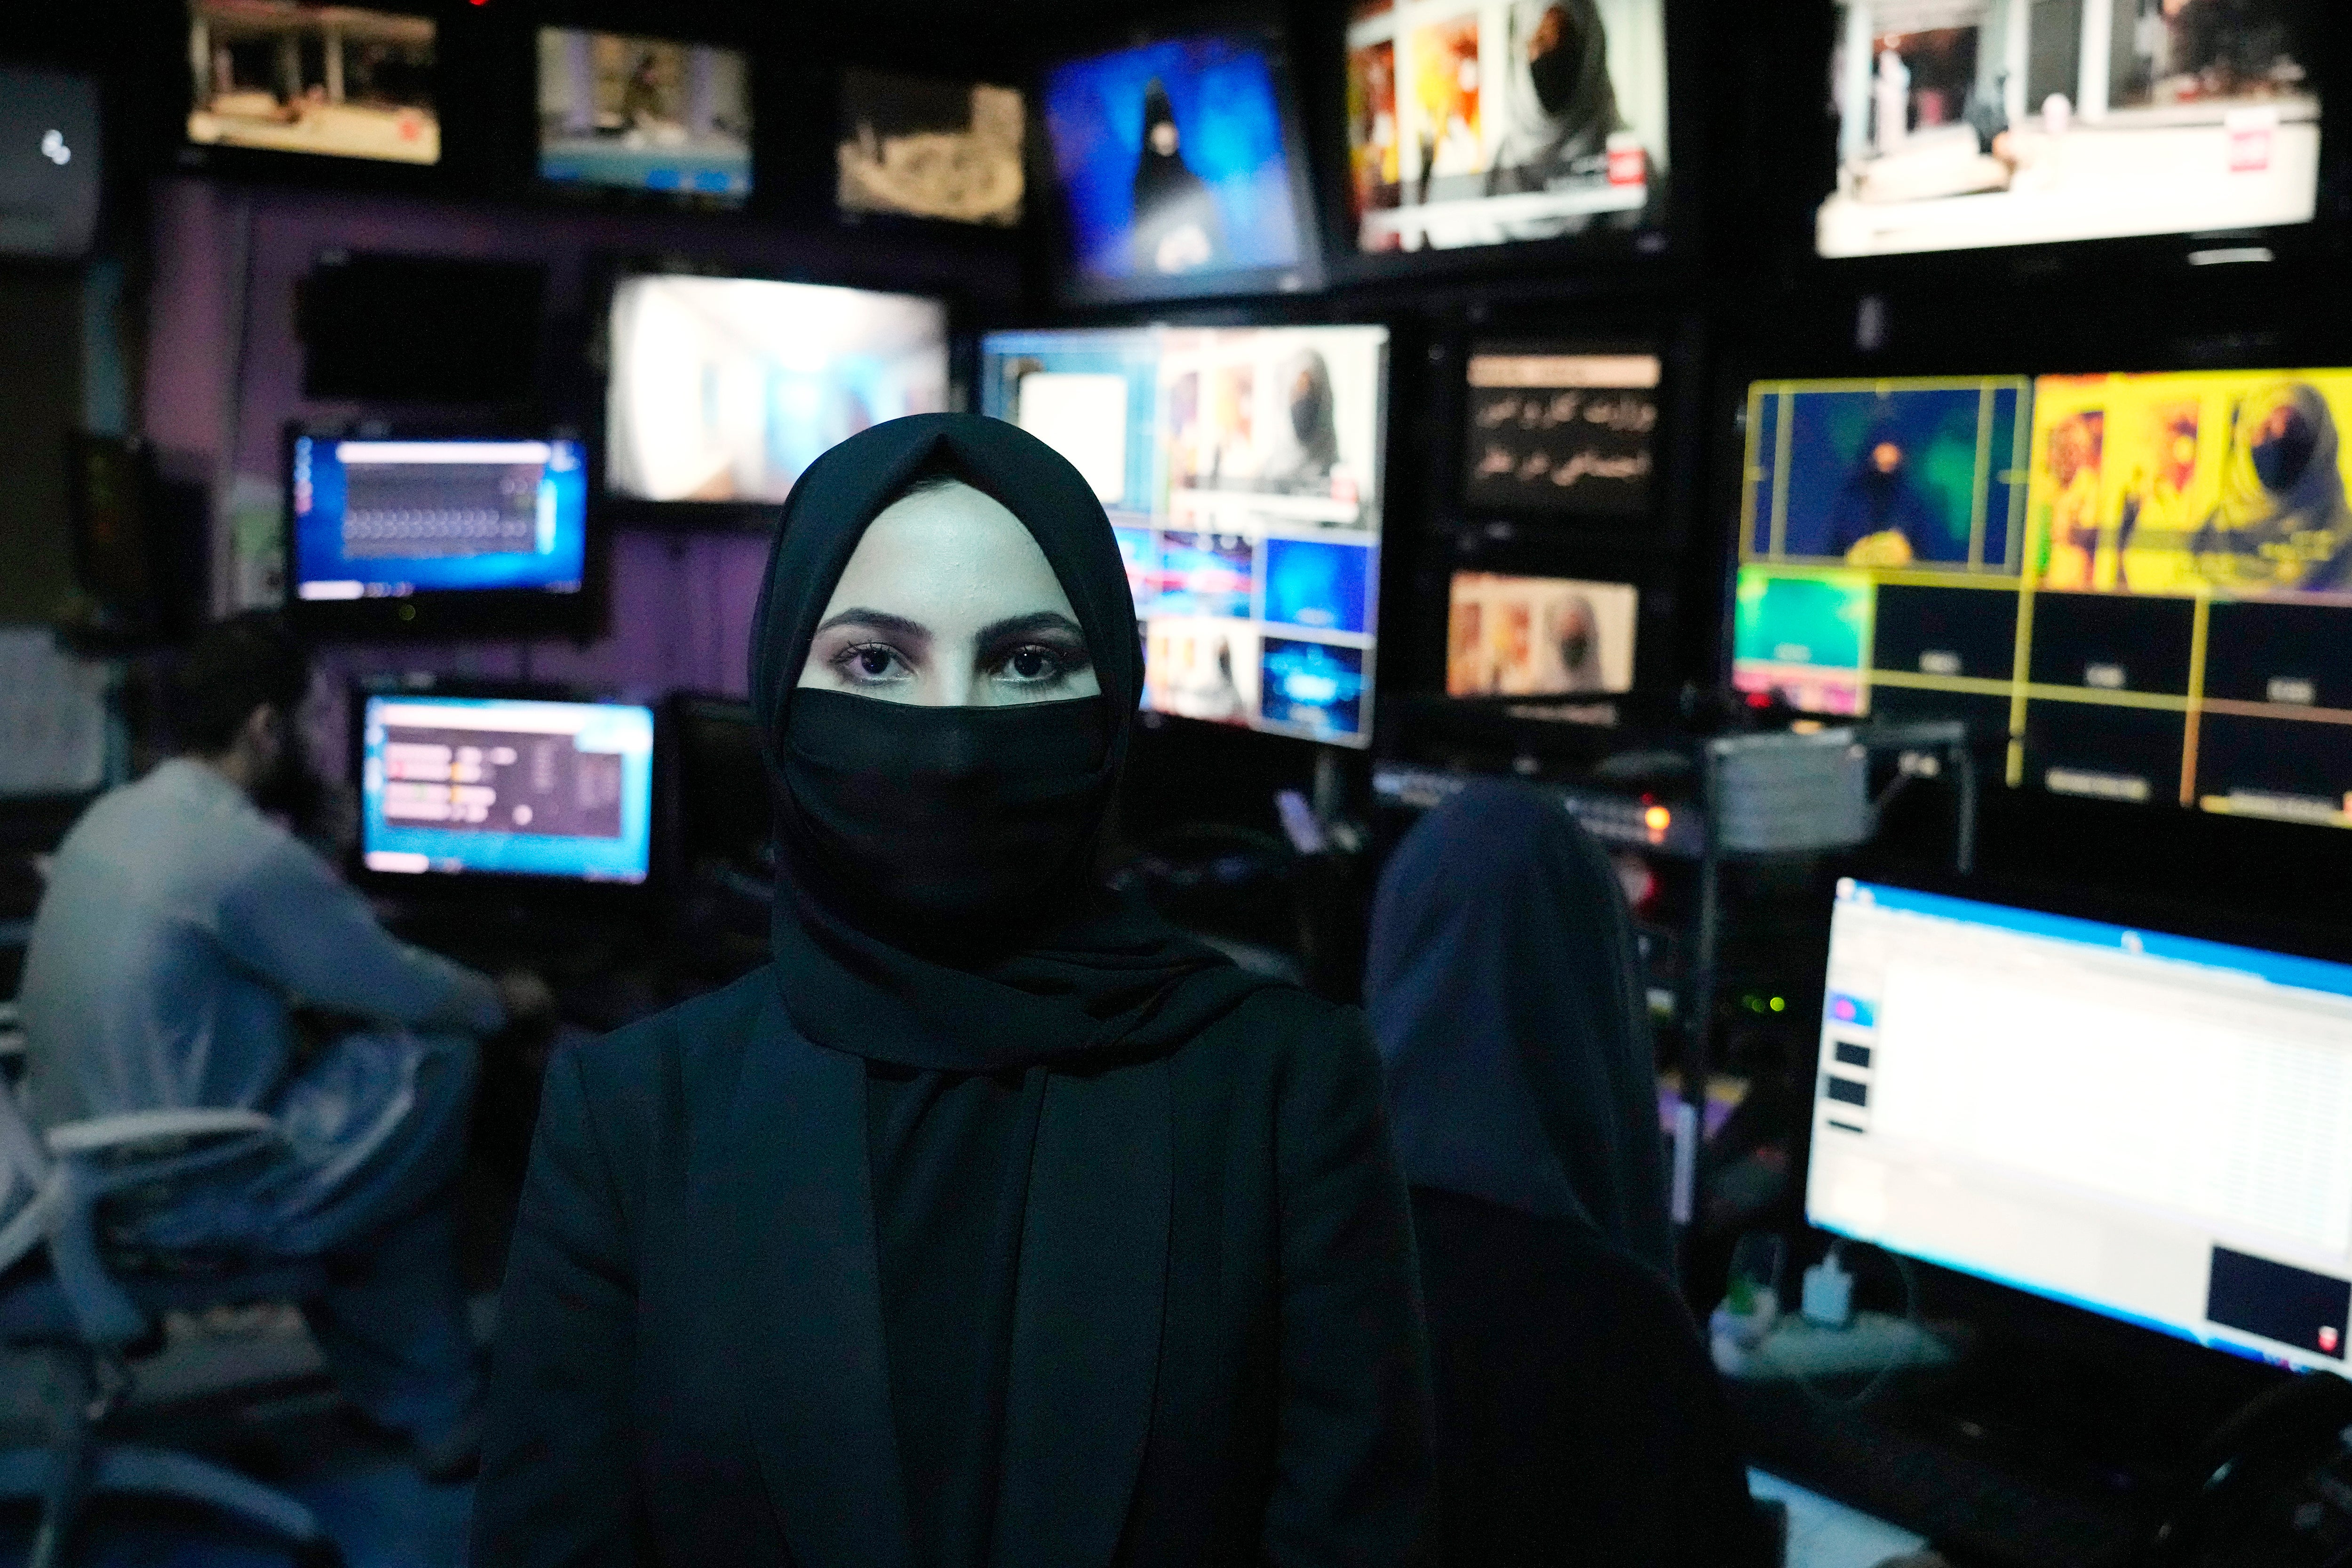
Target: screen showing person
1092,396
1539,636
1175,161
340,81
1561,433
1203,667
725,389
644,114
1484,122
506,786
390,518
920,148
1256,413
2004,122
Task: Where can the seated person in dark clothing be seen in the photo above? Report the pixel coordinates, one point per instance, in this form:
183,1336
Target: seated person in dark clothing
1579,1418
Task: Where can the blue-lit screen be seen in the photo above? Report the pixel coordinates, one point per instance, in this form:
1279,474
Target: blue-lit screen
388,519
507,786
1194,177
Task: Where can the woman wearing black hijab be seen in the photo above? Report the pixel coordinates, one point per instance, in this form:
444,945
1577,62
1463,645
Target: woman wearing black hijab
1176,225
993,1223
1579,1418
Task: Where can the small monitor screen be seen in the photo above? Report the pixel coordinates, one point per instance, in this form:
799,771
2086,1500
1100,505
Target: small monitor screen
1565,435
725,388
919,149
1242,471
2150,1126
376,519
1178,167
49,155
1999,122
644,114
506,786
2141,583
1539,636
1485,121
340,82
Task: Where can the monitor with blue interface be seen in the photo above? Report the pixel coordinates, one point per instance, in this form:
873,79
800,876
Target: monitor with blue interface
2155,1127
1241,468
505,786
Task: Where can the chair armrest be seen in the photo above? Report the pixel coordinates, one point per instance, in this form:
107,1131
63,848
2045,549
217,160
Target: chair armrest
109,1135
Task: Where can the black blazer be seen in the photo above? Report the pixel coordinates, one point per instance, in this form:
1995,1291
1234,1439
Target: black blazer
1216,1354
1579,1419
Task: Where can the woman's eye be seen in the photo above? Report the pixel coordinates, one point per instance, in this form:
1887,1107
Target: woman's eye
869,662
1033,664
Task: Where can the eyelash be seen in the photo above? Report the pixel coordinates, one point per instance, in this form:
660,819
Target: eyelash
1061,663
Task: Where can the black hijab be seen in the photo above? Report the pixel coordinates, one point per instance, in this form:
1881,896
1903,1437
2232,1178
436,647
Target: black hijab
1503,991
1062,971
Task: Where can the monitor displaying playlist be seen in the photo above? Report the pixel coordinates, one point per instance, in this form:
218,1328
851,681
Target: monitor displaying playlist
725,388
2153,1127
644,114
375,520
1539,636
1242,471
451,786
1484,122
1562,434
339,82
2141,583
1999,122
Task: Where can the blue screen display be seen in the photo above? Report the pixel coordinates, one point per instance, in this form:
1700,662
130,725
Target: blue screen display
1327,586
506,786
1315,688
389,519
1172,160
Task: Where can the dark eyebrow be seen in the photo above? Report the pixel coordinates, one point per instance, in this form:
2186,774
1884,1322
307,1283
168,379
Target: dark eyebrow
1012,626
880,621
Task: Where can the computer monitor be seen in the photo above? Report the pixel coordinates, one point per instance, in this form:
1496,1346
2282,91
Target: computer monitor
722,391
380,327
625,113
1242,470
1180,169
414,534
2140,584
333,81
1539,636
2005,122
1474,122
2155,1127
457,787
913,147
1554,432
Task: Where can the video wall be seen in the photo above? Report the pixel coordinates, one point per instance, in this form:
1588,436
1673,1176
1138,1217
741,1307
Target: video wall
1242,471
2142,582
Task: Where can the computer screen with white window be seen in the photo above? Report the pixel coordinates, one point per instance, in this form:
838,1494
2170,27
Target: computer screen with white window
2155,1127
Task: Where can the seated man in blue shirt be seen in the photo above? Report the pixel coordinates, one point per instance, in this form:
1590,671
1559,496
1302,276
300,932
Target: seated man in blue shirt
181,928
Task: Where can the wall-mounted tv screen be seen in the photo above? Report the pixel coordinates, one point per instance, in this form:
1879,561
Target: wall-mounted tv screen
1484,122
725,388
1966,124
920,149
2142,585
1539,636
1560,433
49,157
1242,471
644,114
1180,169
340,81
422,534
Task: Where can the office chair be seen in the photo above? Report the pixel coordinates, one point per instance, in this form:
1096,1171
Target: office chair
92,1324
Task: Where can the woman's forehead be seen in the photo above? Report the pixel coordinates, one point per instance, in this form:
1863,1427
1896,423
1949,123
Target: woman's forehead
948,549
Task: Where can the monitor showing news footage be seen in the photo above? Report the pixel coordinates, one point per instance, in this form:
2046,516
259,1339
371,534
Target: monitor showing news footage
1476,122
1560,433
2140,585
1968,123
1241,468
336,82
910,147
1539,636
644,114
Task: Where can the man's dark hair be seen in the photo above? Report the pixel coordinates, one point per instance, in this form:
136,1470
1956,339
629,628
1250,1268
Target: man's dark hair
235,666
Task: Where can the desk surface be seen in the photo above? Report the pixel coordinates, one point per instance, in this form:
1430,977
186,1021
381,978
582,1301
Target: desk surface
1825,1534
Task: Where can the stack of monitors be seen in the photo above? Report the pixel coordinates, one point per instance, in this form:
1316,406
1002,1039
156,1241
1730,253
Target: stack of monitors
1477,122
339,82
644,114
1242,471
2143,583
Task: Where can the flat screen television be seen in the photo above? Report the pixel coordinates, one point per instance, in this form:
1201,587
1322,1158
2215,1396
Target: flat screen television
50,176
914,148
380,327
2007,123
332,81
1476,122
458,789
1539,636
1180,169
1241,469
619,113
2140,584
722,391
414,534
1557,433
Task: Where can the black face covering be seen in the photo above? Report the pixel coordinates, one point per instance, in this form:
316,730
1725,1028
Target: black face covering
1558,68
2280,461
